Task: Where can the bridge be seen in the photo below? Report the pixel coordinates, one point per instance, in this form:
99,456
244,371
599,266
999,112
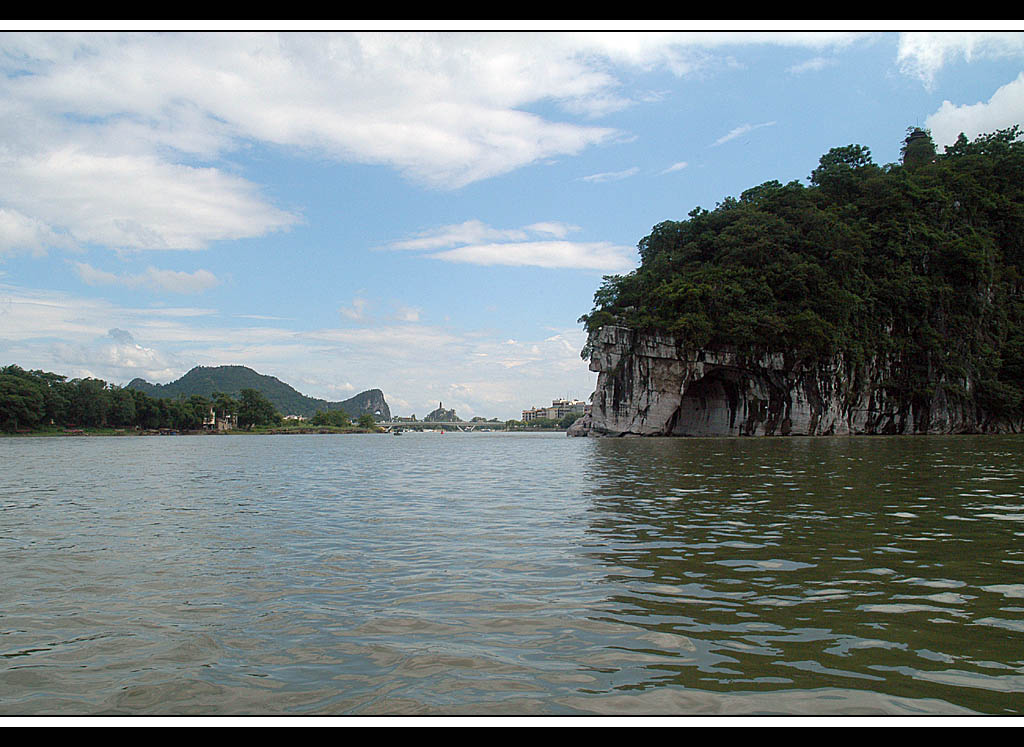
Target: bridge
443,425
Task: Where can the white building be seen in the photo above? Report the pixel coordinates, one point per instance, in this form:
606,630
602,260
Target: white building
558,410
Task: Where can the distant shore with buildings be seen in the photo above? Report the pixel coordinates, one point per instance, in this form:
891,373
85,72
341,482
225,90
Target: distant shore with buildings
559,409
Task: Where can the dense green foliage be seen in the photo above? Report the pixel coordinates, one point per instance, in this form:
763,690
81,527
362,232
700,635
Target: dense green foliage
919,264
333,418
205,380
254,409
34,399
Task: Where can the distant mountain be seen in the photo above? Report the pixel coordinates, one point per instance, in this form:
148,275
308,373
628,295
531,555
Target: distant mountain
232,380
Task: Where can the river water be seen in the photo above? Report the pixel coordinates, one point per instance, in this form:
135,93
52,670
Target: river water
511,574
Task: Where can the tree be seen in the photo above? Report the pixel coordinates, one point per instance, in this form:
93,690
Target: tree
122,407
568,419
366,421
332,418
224,405
21,402
255,409
147,410
90,402
921,266
837,169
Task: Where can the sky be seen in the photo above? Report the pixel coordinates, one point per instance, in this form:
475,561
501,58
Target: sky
422,209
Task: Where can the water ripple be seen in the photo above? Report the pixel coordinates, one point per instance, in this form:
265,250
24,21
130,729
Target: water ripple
511,574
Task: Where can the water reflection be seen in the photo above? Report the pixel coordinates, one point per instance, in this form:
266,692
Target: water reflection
495,573
888,564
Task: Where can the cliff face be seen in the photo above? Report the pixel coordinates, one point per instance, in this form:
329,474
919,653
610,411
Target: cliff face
650,385
371,401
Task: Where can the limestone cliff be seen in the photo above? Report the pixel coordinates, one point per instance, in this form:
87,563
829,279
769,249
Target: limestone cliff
651,385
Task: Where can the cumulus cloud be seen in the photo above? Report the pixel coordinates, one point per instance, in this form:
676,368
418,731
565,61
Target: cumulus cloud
121,139
1004,109
134,202
923,54
20,233
115,357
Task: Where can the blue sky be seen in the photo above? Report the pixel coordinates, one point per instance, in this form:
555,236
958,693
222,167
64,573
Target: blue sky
424,210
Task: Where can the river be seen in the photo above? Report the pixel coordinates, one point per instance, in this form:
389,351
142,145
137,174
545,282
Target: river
511,574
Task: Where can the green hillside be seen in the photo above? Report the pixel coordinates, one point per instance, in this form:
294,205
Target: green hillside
231,380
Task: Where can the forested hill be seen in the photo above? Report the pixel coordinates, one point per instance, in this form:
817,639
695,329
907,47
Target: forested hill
919,265
231,380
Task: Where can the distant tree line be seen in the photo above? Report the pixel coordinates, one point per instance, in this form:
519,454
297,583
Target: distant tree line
341,419
31,400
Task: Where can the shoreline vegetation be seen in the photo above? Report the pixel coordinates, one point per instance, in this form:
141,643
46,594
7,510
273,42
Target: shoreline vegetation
59,432
45,403
42,403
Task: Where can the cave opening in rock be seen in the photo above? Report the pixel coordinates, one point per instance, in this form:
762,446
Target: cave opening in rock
709,405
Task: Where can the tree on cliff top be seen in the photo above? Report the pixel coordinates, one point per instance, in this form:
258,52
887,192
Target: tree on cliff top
920,263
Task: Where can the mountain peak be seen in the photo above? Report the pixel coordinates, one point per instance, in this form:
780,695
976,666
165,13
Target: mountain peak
231,380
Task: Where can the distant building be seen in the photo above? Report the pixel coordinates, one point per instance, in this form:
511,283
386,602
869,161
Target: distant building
558,410
225,423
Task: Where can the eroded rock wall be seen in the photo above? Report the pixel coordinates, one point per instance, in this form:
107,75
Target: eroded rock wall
651,385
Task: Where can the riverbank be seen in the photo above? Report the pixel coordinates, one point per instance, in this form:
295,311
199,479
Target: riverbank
130,432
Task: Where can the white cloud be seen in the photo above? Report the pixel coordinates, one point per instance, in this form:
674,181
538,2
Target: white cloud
552,228
923,54
741,130
611,176
679,166
460,233
495,375
155,279
408,313
812,65
21,233
135,202
445,109
1004,109
599,255
118,139
357,309
475,242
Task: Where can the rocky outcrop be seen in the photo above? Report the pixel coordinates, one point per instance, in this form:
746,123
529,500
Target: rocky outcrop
581,427
371,401
651,385
441,415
